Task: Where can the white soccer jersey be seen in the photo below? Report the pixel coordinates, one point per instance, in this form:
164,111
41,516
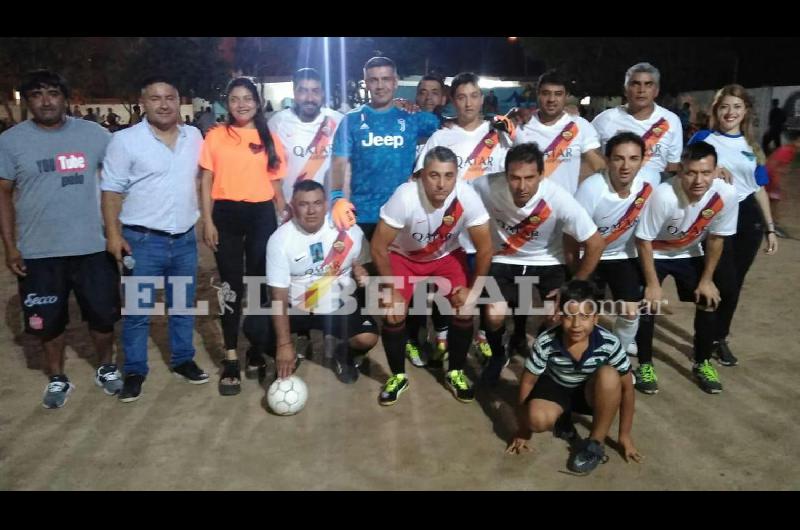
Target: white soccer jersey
428,233
308,144
662,133
677,227
315,267
562,143
616,218
735,155
479,153
532,235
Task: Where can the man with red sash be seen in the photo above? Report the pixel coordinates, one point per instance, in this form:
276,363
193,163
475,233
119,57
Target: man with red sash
480,147
660,129
529,215
417,238
681,213
311,267
569,144
566,140
615,200
306,130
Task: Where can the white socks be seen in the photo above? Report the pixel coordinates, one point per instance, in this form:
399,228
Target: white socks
626,330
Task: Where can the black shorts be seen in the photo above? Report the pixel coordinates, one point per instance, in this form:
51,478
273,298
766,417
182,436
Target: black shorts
686,271
572,399
343,327
550,277
259,328
44,293
368,229
623,276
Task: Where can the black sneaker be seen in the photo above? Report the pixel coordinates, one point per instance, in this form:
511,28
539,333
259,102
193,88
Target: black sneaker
396,385
491,373
724,355
589,455
707,377
302,346
255,362
344,368
132,388
190,372
459,385
565,429
645,379
518,346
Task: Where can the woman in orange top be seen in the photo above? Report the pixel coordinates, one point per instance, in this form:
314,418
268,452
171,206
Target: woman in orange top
242,165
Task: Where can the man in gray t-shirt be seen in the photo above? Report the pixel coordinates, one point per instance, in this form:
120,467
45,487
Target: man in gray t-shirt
52,161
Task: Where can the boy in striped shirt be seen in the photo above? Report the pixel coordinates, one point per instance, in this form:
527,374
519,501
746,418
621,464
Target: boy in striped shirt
580,367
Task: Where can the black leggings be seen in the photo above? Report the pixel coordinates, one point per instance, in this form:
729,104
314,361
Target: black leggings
244,228
738,254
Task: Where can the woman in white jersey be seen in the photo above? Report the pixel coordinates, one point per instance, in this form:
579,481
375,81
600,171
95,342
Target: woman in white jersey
743,162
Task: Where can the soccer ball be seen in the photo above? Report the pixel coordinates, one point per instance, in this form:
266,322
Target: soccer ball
287,396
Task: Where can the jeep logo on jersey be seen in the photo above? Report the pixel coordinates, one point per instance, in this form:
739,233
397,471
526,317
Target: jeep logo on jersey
33,300
389,140
70,162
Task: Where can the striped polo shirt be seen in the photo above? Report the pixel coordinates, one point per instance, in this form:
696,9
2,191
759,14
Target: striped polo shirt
549,354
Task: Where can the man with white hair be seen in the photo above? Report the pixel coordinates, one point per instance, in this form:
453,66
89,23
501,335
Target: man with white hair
660,129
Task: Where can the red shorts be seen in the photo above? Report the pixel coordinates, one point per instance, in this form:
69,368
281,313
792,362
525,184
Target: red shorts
452,267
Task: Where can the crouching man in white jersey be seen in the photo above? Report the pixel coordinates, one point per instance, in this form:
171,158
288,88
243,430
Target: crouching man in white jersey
480,147
529,215
615,199
417,238
681,213
310,266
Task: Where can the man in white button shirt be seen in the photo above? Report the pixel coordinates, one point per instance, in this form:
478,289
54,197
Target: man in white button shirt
154,165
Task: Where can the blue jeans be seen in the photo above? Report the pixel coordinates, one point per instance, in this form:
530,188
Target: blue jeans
158,255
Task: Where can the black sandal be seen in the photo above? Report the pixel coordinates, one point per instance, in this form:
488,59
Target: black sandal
230,370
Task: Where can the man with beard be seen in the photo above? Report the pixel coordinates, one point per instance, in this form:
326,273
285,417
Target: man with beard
306,130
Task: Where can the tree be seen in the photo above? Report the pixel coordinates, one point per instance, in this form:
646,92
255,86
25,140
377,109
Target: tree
114,67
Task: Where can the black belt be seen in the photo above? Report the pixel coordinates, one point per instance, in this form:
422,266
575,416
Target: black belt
145,230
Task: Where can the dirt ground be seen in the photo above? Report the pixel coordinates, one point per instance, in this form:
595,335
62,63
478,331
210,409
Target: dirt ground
187,437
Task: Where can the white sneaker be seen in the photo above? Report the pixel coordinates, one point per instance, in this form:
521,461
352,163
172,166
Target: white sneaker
632,349
109,379
56,393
